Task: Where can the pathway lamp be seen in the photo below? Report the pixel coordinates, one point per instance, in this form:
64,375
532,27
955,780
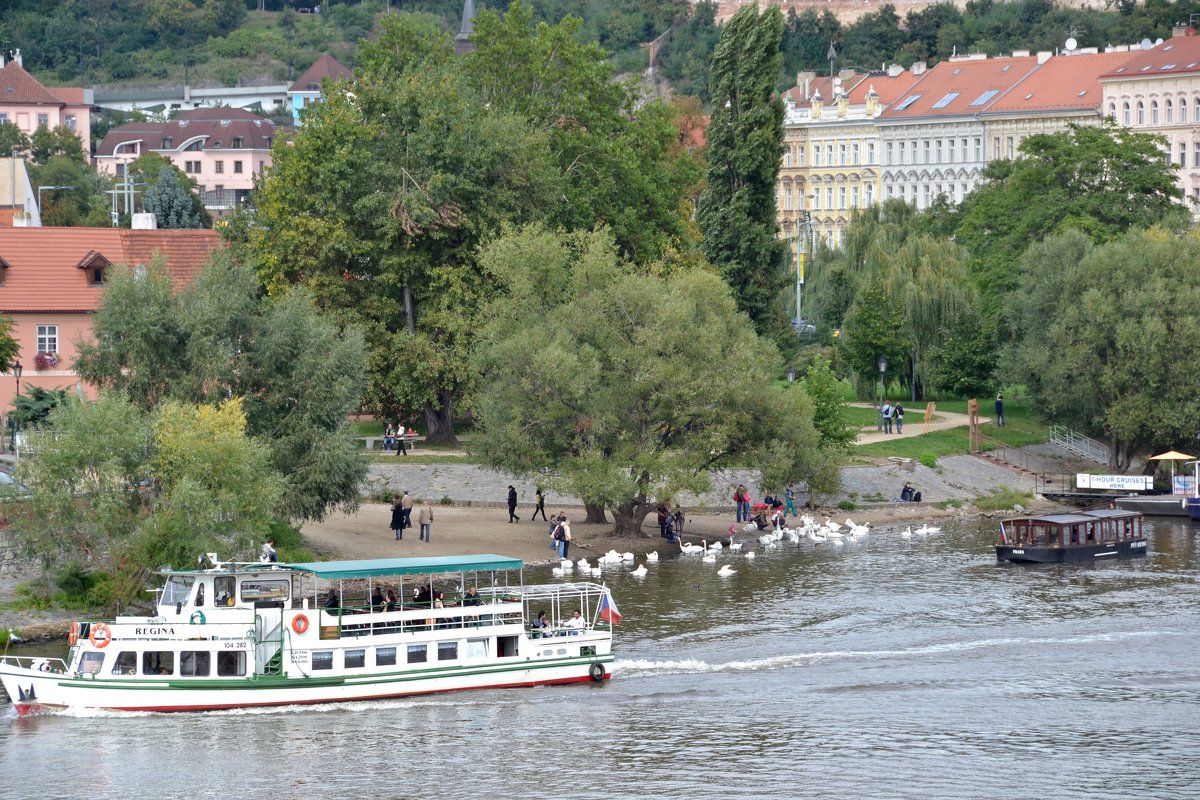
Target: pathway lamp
882,363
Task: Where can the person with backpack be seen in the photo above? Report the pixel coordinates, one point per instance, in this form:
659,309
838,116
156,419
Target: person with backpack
564,537
898,415
886,414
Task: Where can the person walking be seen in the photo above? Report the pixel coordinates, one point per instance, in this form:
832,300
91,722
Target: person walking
401,448
898,415
512,504
540,499
397,518
1000,410
741,497
406,503
886,411
790,495
425,519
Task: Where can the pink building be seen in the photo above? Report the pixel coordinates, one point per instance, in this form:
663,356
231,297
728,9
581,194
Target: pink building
27,104
222,149
51,282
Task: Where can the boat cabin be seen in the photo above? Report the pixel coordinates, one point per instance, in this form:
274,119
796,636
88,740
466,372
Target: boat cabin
1072,536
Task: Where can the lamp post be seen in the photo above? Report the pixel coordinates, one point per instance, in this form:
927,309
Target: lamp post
13,424
882,363
47,189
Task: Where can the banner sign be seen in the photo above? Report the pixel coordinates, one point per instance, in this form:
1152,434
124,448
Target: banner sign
1120,483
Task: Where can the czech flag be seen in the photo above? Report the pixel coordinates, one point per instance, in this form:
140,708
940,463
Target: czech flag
608,609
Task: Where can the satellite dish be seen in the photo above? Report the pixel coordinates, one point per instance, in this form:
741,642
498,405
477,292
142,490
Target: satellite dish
1145,43
1071,43
1158,41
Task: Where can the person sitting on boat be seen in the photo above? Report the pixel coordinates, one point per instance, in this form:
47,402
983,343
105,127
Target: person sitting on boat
331,599
376,599
423,596
472,598
539,625
390,601
575,623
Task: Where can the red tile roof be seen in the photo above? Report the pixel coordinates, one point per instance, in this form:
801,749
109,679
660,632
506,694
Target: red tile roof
960,88
324,67
888,88
824,85
1179,55
18,86
69,95
1062,83
44,274
218,126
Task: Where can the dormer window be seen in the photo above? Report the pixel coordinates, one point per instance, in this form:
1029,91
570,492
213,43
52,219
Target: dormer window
3,271
238,142
95,266
196,145
167,142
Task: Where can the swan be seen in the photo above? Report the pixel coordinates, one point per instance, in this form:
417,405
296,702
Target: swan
640,572
925,529
689,549
567,565
726,571
906,533
735,546
583,565
557,572
711,558
831,525
596,572
628,557
652,557
838,542
715,546
749,554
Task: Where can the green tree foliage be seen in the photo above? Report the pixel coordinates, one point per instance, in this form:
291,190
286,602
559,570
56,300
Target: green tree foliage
9,347
1098,180
83,204
736,212
830,417
685,57
158,487
46,143
170,203
1103,331
33,406
299,376
12,139
963,362
600,380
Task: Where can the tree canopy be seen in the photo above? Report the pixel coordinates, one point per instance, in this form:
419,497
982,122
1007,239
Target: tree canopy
736,212
627,388
299,376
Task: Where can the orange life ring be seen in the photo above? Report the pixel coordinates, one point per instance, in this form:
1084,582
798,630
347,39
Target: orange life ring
73,636
300,623
100,635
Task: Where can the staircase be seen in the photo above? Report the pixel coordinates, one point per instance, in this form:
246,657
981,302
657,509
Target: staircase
1078,444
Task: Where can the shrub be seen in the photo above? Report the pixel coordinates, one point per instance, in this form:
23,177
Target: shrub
1002,499
928,459
847,505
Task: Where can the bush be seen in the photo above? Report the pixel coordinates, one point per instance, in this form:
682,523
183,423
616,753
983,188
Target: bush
847,505
928,459
1002,499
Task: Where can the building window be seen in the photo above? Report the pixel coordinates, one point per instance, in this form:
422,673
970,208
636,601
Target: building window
841,197
43,120
829,197
938,152
870,193
1183,110
888,152
903,146
927,160
1182,154
218,167
1008,147
854,197
166,143
1125,114
996,147
787,158
1195,155
70,122
1169,110
800,156
238,142
237,168
47,338
979,148
1112,111
854,153
3,117
841,155
870,152
1141,113
219,192
1153,112
1196,109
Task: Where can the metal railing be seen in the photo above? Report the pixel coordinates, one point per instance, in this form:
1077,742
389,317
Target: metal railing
1078,444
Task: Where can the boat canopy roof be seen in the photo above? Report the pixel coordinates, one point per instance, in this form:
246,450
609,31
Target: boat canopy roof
374,567
1078,517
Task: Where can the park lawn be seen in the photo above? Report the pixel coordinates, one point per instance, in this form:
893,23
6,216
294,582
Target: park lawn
1021,428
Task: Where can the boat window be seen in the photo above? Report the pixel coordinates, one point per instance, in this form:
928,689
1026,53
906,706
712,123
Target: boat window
158,662
126,663
322,659
418,653
195,663
223,588
178,589
1052,536
447,651
231,664
355,659
476,648
200,594
90,663
264,590
385,656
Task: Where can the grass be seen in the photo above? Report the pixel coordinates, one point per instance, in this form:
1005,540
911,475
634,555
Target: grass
1002,499
1020,429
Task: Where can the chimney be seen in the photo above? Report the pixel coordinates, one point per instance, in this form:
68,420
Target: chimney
1044,56
803,79
895,70
918,67
1182,30
17,58
144,222
1020,54
22,219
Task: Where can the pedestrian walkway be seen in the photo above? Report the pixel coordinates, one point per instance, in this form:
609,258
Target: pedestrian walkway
913,425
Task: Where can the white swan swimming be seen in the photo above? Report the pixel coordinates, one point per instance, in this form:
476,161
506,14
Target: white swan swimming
652,557
640,572
906,533
726,571
749,554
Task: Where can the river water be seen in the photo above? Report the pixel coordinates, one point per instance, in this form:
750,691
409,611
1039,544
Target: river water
882,669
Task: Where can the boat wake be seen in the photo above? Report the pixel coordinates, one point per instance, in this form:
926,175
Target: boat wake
638,668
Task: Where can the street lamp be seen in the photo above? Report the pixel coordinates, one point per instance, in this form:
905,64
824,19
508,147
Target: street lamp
12,420
47,189
882,369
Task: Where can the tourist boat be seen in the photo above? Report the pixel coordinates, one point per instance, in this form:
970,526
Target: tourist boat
1072,537
238,635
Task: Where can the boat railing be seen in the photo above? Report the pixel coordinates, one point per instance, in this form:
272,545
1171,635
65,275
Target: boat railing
36,663
336,623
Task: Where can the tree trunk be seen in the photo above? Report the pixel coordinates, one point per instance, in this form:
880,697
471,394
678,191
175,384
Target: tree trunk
595,512
408,311
439,422
630,515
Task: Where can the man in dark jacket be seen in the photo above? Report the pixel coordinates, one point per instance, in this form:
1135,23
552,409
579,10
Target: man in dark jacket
512,505
1000,410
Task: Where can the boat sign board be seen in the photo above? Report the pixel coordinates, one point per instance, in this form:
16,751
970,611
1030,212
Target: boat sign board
1120,483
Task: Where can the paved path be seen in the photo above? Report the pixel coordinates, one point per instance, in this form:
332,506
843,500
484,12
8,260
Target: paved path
913,424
